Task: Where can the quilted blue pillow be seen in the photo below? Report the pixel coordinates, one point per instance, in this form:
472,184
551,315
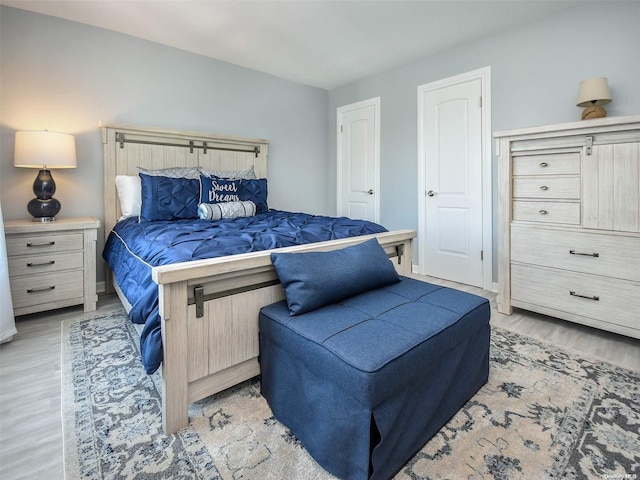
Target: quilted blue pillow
218,190
255,191
165,198
315,279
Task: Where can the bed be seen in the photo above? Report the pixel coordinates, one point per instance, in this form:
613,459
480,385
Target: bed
208,307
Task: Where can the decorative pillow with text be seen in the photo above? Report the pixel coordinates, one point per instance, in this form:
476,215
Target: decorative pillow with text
222,190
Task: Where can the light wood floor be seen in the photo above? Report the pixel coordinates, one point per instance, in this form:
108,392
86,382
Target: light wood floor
30,411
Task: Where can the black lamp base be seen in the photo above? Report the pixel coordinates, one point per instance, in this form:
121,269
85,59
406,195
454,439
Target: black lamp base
44,208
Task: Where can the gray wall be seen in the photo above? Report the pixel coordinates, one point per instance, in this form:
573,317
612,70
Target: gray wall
64,76
536,71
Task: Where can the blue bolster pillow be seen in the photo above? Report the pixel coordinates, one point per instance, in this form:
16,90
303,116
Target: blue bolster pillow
315,279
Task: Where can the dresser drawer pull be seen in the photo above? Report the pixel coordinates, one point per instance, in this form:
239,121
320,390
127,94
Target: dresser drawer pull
544,164
544,187
48,244
50,262
43,289
573,252
543,212
592,297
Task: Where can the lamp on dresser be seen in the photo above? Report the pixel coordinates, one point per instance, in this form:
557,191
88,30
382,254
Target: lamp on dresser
44,150
594,92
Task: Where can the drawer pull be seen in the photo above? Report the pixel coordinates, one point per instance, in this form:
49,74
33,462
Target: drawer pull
544,187
48,244
544,164
543,212
592,297
43,289
573,252
50,262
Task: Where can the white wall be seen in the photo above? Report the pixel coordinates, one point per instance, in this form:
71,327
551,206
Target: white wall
536,71
64,76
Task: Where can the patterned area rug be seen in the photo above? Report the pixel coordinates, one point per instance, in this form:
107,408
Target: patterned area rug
545,413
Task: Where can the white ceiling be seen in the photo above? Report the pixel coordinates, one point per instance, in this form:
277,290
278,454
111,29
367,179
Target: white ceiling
324,43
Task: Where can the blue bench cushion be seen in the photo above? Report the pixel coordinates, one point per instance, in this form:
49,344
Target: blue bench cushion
378,341
365,382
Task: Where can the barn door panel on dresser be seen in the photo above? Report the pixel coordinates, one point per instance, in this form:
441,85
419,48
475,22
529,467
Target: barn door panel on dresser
612,186
569,222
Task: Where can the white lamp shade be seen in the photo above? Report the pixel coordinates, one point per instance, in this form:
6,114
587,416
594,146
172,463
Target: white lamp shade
43,149
594,91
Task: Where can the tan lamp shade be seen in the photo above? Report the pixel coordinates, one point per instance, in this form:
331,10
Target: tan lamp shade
594,92
44,149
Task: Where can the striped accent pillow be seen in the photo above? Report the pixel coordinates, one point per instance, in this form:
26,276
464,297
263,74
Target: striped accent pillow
218,211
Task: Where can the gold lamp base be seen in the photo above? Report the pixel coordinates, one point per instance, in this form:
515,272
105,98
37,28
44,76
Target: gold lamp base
593,111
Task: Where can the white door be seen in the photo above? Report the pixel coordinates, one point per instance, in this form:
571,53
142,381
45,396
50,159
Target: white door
358,160
451,159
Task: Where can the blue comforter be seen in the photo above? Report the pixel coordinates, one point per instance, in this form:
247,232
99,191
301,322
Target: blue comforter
133,248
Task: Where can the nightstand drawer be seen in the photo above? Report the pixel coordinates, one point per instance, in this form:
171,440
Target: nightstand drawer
37,244
548,212
45,289
35,264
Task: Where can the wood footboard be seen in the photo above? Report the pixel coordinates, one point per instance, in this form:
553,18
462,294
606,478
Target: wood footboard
209,310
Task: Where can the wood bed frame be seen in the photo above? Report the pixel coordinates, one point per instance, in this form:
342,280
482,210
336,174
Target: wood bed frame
209,308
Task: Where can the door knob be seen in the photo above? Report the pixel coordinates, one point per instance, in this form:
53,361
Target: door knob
431,193
370,191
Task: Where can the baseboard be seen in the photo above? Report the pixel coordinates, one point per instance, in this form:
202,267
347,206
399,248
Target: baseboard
100,287
415,271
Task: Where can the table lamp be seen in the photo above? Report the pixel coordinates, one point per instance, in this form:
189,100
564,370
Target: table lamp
593,93
44,150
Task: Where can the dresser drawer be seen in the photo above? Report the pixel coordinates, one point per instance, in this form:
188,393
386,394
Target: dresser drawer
550,164
548,212
600,298
547,187
49,288
54,262
607,255
37,244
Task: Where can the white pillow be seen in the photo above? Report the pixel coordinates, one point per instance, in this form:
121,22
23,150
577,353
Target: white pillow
130,194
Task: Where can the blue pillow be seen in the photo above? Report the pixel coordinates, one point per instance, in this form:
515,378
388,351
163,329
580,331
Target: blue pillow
165,198
221,190
255,191
315,279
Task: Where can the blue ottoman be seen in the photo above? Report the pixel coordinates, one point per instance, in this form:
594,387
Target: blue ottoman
365,382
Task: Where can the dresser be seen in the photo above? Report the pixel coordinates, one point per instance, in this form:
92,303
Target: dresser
569,222
52,264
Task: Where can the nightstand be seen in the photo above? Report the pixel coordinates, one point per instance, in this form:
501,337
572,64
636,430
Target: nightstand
52,264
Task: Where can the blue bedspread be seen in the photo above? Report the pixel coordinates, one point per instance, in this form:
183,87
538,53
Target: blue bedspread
133,248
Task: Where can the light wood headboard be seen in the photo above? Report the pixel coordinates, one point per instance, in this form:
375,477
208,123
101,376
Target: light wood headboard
127,147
